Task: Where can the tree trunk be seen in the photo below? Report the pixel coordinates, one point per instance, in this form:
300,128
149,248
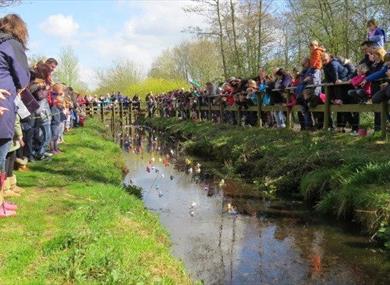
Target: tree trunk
220,35
236,52
260,32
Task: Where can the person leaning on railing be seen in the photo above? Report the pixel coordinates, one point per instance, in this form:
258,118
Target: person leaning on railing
336,73
383,95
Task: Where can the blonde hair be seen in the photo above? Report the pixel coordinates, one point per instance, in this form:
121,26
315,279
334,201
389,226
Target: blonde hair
363,68
380,52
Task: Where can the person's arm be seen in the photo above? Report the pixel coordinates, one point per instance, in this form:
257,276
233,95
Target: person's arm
377,75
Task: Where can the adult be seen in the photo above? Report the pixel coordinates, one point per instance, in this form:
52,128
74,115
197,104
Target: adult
376,34
366,48
52,63
14,77
335,72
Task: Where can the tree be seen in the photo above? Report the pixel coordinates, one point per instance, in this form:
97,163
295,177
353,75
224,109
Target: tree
189,60
7,3
118,77
68,67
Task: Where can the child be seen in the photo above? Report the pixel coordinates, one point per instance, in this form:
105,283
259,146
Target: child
361,93
376,34
316,64
58,117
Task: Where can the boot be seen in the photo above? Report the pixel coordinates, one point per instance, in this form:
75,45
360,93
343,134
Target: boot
7,192
9,206
4,211
13,186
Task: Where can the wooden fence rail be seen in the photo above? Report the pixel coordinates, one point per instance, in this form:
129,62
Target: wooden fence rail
127,115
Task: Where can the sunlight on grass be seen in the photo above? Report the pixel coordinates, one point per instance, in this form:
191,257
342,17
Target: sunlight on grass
77,225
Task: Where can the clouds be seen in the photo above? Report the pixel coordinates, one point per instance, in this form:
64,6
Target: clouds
60,26
131,30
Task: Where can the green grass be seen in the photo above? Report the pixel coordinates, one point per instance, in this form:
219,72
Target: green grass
336,174
76,225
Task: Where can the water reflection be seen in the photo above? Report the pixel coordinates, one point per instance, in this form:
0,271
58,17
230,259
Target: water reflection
224,238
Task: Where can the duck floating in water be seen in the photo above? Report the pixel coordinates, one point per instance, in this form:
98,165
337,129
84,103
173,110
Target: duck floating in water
171,177
193,205
160,194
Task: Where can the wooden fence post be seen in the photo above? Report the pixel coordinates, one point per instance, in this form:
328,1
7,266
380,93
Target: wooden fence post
102,112
113,121
221,111
259,103
327,108
384,113
121,114
209,112
199,109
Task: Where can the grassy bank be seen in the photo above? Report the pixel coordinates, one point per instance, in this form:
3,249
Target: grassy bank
336,174
76,225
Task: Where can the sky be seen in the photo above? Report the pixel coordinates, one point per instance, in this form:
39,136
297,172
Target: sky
104,31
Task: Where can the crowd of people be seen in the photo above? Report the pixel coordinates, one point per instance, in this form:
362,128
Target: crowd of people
35,111
356,84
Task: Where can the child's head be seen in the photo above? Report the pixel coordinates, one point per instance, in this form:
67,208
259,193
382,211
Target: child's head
59,89
372,25
326,58
314,44
362,69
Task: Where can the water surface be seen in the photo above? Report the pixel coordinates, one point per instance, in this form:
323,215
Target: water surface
223,238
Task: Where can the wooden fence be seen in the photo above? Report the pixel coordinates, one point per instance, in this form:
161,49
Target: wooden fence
117,113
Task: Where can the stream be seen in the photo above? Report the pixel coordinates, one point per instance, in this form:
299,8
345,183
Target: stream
225,237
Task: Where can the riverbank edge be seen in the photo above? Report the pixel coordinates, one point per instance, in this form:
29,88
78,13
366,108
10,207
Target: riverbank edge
338,175
76,224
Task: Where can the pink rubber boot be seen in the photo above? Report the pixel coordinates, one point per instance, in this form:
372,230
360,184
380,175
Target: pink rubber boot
10,206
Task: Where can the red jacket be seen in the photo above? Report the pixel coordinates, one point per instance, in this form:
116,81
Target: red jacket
355,81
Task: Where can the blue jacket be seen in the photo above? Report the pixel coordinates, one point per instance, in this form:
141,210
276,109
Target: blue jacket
14,75
377,75
379,37
334,71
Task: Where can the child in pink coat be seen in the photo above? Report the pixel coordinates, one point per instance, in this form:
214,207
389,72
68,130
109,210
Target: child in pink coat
360,94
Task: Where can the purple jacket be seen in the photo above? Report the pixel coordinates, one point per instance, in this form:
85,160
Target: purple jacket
14,75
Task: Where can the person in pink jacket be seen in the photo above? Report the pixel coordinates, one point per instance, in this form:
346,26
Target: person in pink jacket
361,93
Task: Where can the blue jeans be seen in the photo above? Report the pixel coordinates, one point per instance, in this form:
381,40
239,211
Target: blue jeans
317,81
46,133
4,148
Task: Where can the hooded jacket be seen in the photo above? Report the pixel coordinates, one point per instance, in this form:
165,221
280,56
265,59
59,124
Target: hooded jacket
14,76
334,71
315,58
